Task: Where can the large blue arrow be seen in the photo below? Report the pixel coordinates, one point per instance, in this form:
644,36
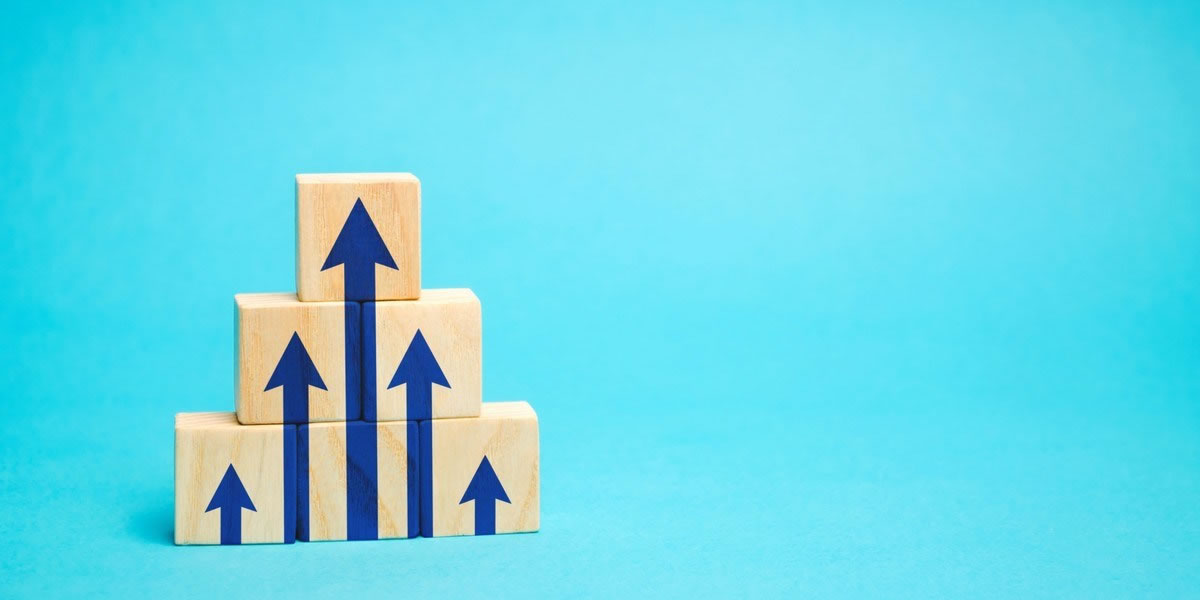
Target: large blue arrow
485,490
230,498
418,372
358,248
295,372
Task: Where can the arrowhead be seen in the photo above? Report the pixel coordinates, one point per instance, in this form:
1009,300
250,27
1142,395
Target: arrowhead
295,367
230,493
418,365
485,486
359,242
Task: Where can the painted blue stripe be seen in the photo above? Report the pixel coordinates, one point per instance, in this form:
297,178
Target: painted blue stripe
425,456
485,516
362,471
369,376
362,481
353,349
231,525
414,480
302,529
295,404
289,483
419,400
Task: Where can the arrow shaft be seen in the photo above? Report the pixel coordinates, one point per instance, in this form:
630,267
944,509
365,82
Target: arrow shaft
414,464
419,407
362,472
295,402
370,378
362,481
290,481
485,516
359,280
231,525
424,473
419,402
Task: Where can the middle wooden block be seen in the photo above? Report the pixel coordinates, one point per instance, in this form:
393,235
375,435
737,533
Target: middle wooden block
423,359
297,361
357,481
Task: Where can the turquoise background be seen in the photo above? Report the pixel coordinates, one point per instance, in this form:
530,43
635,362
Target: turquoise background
827,301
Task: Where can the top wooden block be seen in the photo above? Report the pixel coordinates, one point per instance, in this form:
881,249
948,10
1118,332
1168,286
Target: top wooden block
358,237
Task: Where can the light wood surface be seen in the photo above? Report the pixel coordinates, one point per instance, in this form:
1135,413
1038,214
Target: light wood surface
393,480
327,480
265,324
450,320
205,445
324,201
507,434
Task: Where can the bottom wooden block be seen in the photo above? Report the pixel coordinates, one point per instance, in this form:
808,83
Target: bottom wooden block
357,480
234,484
479,475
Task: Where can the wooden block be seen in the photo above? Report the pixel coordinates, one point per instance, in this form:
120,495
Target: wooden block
423,358
357,481
358,236
234,484
297,361
480,475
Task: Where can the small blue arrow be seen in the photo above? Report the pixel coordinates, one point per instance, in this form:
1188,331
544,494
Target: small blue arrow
485,490
230,498
358,248
295,372
419,370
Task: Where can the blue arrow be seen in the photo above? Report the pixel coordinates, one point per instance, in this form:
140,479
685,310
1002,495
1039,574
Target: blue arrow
358,248
485,490
295,372
419,370
230,498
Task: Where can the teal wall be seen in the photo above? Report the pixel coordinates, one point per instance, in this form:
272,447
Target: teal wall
822,300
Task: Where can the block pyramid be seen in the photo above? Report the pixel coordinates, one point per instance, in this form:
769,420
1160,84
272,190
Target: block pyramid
359,398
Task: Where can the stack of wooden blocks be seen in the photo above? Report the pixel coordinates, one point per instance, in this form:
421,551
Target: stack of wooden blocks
359,398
